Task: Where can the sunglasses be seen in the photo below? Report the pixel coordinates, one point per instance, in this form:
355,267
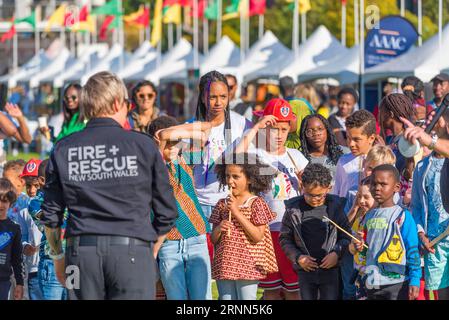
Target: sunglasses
67,98
148,96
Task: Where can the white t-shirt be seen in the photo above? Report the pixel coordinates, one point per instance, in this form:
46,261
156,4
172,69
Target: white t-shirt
348,174
285,185
206,183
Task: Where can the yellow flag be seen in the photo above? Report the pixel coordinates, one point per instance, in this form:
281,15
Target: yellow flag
173,14
56,18
304,6
132,16
88,25
242,9
156,33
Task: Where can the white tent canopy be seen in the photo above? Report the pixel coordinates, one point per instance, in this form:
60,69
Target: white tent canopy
423,62
343,68
53,68
25,71
318,49
142,62
175,63
265,58
224,55
111,62
90,57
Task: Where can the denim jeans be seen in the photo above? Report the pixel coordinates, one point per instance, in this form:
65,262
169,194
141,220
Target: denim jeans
5,285
34,290
207,210
237,289
50,287
185,270
347,276
321,283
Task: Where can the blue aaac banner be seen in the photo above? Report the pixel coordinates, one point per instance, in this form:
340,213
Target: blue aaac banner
394,36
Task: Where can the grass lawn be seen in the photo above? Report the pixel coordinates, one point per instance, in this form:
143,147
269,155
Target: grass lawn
24,156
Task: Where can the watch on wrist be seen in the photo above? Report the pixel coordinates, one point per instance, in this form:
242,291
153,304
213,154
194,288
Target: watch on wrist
434,142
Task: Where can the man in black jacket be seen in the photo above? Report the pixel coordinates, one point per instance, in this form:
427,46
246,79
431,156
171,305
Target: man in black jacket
111,181
309,241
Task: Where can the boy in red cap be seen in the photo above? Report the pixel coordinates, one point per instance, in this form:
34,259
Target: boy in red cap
271,134
31,176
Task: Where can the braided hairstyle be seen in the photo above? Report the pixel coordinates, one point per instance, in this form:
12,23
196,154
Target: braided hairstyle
202,109
396,105
333,148
412,88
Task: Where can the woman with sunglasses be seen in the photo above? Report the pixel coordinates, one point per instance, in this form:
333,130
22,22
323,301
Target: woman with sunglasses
144,98
73,119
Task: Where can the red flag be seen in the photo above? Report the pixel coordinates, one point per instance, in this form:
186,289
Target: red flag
343,2
144,18
182,3
257,7
84,12
105,27
9,34
202,5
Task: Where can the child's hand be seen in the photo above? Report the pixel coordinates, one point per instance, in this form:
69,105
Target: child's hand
232,204
224,226
426,244
307,263
266,121
18,293
30,250
413,292
359,244
329,261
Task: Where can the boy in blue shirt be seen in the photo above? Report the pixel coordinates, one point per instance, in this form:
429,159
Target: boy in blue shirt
393,265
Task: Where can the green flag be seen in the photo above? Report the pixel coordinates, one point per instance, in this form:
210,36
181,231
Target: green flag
211,11
31,19
111,8
233,7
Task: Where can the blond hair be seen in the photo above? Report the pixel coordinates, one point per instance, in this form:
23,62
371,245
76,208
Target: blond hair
308,92
381,155
99,94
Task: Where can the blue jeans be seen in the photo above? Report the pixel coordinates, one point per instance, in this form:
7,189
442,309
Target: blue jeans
237,289
347,275
50,287
5,285
207,210
185,270
34,290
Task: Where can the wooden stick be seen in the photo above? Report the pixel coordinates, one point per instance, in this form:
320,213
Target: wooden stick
294,163
440,237
343,230
229,216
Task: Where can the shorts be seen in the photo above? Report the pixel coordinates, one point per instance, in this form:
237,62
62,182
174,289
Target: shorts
286,278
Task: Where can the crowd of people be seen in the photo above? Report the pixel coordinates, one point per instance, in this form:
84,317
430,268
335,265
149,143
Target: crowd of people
300,200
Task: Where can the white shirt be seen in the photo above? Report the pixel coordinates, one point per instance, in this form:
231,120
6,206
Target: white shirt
285,185
206,183
348,174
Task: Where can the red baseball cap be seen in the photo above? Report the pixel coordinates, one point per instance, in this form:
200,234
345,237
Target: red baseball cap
31,168
279,108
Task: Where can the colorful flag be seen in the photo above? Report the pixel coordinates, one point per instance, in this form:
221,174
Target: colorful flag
182,3
232,11
31,19
111,8
202,5
156,32
107,25
343,2
140,18
172,14
58,17
257,7
304,6
10,33
211,11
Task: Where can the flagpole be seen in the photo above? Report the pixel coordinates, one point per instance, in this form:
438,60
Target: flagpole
420,22
362,54
343,23
219,20
205,35
356,21
295,31
170,36
303,27
37,39
148,28
195,35
248,20
178,32
261,25
440,24
402,8
15,54
242,38
121,34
